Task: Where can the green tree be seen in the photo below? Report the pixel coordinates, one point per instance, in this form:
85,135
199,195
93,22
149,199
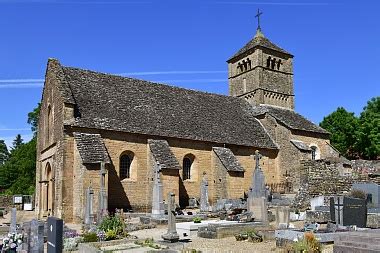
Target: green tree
17,174
4,154
17,142
368,133
33,118
342,125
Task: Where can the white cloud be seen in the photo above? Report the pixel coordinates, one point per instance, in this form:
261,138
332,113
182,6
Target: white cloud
14,129
192,81
9,139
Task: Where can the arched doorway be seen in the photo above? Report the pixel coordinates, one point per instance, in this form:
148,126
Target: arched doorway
49,190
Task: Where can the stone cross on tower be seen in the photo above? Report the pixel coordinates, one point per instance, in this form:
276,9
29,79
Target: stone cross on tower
258,19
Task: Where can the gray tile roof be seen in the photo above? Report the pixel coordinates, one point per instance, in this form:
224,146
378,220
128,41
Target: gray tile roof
111,102
289,118
259,40
301,145
228,159
162,154
91,148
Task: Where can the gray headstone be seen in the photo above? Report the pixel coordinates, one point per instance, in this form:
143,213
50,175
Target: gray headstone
36,237
171,235
372,190
204,205
13,226
282,216
55,235
158,209
89,213
193,202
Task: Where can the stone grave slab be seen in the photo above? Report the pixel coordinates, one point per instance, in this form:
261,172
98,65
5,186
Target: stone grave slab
191,228
353,242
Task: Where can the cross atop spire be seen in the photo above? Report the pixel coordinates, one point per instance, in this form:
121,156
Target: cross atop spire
258,19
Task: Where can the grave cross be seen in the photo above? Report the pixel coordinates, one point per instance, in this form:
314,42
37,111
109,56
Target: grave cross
338,206
258,19
257,158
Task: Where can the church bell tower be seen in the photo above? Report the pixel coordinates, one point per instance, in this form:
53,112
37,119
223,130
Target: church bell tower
262,73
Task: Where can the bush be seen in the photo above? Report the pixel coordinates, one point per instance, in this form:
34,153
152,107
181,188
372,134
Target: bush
90,237
308,244
111,235
358,194
115,223
197,220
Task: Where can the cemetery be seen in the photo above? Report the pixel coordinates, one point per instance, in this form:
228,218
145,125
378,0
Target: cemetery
348,222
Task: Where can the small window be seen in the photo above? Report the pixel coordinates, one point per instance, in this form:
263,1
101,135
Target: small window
187,162
313,151
244,85
125,166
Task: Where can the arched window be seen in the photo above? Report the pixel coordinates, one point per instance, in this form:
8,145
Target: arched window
49,124
315,152
187,162
125,165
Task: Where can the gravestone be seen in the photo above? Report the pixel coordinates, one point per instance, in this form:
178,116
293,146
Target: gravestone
55,235
102,204
172,234
282,216
34,241
158,209
348,211
204,205
13,226
193,203
257,200
89,215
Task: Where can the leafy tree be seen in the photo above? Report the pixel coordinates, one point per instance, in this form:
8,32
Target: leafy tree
33,118
17,174
368,133
17,141
342,126
4,154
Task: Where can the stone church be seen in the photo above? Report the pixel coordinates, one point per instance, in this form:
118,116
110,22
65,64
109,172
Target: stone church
126,126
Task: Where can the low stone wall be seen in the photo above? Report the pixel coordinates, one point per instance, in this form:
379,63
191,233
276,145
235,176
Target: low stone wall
324,177
6,200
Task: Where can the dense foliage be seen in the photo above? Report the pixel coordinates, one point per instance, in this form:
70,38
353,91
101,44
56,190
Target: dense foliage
356,137
18,168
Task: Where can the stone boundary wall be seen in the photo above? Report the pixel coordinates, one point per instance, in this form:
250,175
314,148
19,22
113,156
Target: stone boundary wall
322,177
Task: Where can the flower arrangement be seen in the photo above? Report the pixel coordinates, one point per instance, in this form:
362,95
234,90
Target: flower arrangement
11,242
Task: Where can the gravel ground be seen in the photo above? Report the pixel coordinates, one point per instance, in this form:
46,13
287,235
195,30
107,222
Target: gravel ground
225,245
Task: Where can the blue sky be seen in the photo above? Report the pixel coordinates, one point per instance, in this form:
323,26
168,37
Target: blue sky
336,44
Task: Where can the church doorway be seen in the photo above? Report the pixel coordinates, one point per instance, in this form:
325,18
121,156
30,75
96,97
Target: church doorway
49,190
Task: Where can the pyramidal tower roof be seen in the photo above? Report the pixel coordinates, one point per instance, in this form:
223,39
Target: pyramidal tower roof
259,40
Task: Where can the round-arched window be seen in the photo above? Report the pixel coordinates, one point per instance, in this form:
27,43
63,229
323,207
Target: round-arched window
125,166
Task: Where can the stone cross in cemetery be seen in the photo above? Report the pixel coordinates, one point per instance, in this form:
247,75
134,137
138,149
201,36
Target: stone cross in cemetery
171,235
89,212
158,209
204,194
13,226
257,201
102,208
